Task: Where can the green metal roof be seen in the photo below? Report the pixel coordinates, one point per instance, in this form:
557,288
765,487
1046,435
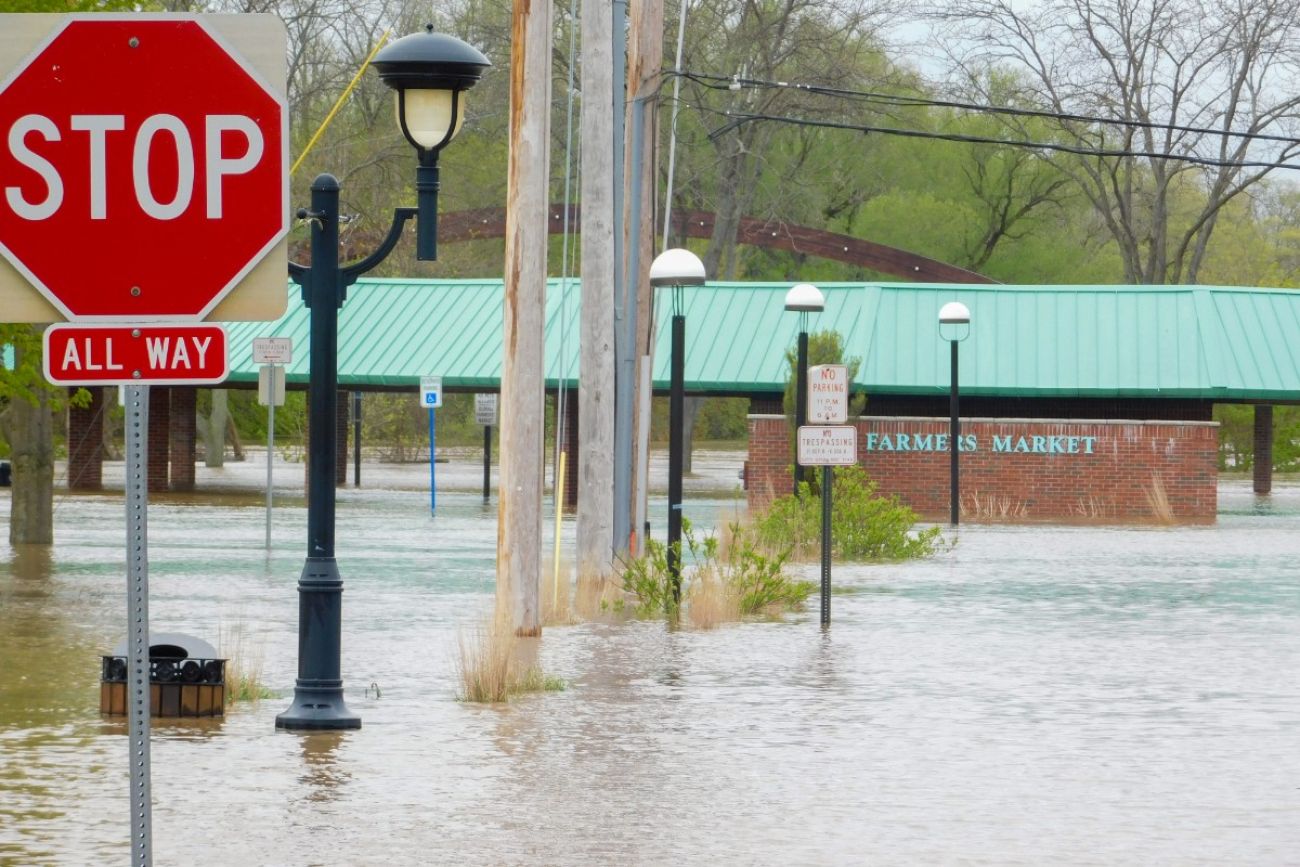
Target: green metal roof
1097,341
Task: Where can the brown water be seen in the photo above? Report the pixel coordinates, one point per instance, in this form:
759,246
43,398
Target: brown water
1032,696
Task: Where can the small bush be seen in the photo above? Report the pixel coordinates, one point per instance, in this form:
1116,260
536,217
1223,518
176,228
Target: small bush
719,585
864,526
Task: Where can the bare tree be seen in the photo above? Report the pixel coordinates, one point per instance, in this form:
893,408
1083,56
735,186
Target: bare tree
1193,84
825,42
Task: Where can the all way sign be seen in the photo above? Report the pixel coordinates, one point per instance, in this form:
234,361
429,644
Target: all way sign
162,354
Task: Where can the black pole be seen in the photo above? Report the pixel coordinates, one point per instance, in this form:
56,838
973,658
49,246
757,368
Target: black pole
487,462
827,473
675,424
801,399
318,692
426,192
954,494
356,439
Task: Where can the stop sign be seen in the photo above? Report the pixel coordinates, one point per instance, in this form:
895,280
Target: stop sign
143,166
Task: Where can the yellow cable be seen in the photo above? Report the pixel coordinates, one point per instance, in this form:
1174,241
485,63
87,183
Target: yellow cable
337,105
559,512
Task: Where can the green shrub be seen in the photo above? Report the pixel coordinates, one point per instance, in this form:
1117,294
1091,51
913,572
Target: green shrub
756,572
864,526
750,571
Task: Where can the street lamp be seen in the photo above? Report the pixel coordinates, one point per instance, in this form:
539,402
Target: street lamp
954,327
430,71
803,298
676,268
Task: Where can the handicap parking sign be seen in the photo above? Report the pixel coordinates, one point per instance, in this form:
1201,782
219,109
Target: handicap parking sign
431,391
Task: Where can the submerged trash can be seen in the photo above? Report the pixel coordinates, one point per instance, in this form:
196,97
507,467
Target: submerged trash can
186,678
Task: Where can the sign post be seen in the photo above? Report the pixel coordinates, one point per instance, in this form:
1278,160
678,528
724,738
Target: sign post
271,353
137,612
485,413
431,397
828,404
148,133
827,447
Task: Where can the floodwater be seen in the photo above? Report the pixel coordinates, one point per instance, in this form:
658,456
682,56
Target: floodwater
1033,695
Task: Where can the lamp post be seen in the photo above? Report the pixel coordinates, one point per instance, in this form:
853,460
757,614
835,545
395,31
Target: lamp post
676,268
429,71
954,327
803,298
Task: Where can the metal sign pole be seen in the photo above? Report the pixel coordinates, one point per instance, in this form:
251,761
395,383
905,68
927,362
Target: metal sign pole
487,462
433,481
137,612
270,449
827,475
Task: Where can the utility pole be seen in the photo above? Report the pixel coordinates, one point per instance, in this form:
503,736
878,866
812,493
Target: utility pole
519,509
645,62
595,529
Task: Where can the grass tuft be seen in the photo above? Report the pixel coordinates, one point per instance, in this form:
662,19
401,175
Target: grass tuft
557,602
992,507
711,601
1162,511
243,667
490,670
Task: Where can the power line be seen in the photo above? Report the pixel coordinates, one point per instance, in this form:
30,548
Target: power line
737,119
722,82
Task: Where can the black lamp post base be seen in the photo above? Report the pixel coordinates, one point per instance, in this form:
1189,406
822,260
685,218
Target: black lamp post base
318,708
318,692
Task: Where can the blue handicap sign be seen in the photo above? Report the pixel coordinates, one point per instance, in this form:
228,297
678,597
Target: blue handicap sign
431,398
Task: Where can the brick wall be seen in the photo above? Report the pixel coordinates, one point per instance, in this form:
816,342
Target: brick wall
1021,469
86,443
159,438
183,433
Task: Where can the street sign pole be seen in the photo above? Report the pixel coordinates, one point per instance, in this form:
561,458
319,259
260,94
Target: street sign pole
271,353
487,462
827,447
270,451
431,397
485,413
827,474
137,620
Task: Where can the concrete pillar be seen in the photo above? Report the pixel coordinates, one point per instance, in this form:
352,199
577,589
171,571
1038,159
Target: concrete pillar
86,443
159,437
183,432
569,445
1263,449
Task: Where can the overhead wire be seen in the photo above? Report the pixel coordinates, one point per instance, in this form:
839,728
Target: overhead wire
737,119
730,82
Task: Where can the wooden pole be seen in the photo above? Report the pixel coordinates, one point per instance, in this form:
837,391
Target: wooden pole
595,528
645,61
519,508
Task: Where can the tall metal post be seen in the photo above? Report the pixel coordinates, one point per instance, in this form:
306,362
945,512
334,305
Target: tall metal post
954,494
137,614
487,462
433,473
827,477
318,692
675,442
270,452
801,393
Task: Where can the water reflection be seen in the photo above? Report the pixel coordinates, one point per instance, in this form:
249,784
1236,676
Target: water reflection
1132,691
32,563
323,775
